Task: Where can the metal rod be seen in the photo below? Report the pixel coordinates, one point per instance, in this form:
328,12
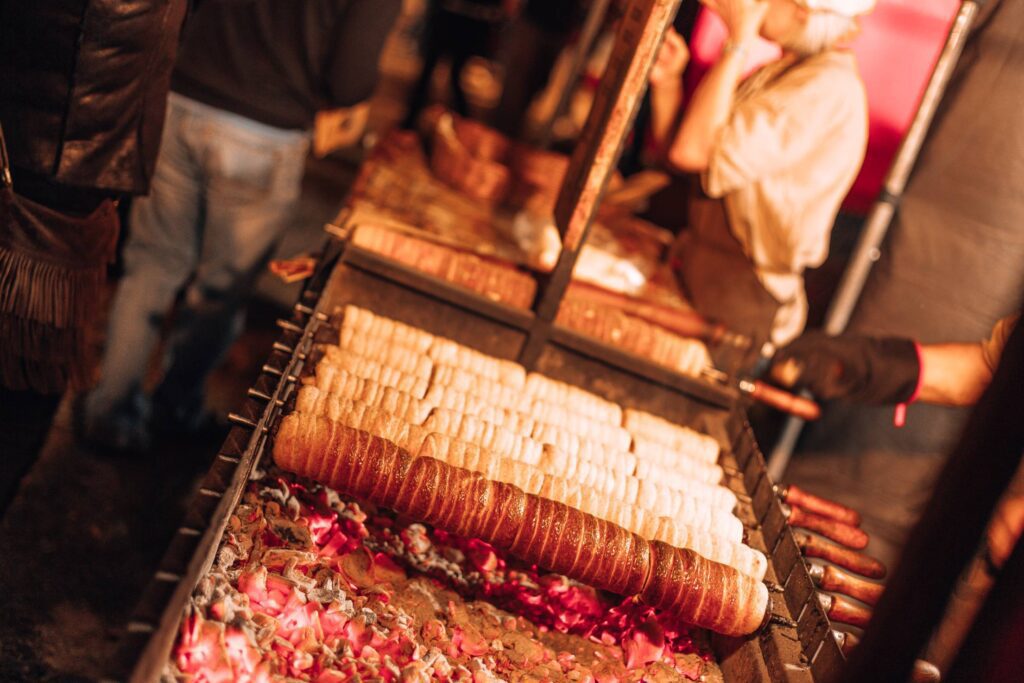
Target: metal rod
588,34
237,419
288,326
869,245
283,348
780,620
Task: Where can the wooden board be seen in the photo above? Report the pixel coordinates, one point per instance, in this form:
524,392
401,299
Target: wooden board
611,116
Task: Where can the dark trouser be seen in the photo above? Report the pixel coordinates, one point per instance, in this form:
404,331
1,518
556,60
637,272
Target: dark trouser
716,277
451,35
530,54
25,419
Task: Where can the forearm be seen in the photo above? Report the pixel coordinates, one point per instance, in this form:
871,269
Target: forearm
666,103
953,374
706,114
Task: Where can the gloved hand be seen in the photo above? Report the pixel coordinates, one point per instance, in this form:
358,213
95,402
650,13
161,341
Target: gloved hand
850,367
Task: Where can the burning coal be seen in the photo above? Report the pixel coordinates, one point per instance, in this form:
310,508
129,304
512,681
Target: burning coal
310,586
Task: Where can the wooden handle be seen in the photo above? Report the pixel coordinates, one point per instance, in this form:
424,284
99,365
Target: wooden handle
801,407
924,672
832,579
816,546
845,611
826,508
850,536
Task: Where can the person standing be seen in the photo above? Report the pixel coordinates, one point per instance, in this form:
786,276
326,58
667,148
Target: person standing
776,153
459,30
531,48
249,82
83,87
878,370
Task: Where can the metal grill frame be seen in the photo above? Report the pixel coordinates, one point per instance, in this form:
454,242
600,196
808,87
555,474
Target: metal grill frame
780,654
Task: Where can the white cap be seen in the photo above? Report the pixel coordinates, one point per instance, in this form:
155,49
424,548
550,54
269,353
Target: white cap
849,8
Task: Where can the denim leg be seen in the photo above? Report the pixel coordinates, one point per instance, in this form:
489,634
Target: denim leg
160,254
252,183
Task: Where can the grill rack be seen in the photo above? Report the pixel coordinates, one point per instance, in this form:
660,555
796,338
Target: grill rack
796,647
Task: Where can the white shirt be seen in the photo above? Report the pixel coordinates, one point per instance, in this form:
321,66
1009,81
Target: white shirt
783,163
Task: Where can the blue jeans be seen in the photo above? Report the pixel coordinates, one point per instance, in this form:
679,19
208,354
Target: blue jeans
222,193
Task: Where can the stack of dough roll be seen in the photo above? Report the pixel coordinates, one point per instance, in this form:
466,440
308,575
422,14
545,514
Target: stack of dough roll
636,519
667,494
645,426
446,352
601,468
464,400
359,322
556,536
692,517
336,379
484,390
391,356
541,388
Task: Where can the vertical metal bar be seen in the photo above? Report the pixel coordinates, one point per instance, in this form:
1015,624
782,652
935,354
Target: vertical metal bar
869,245
591,27
615,107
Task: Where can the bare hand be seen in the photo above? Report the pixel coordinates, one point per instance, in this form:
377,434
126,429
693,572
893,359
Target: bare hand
672,59
336,129
743,18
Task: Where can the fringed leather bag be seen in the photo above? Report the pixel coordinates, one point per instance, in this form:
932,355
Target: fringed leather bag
52,269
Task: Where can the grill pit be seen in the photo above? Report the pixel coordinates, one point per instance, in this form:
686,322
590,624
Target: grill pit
311,585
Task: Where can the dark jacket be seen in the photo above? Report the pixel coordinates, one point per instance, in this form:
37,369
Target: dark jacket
83,87
280,61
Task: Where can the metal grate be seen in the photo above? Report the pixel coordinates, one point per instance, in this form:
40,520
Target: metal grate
797,647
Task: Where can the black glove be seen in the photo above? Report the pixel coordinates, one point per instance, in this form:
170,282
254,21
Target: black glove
853,368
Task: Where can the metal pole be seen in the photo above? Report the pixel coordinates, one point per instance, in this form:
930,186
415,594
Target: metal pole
869,245
591,27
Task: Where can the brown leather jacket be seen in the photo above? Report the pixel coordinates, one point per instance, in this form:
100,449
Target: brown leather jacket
83,86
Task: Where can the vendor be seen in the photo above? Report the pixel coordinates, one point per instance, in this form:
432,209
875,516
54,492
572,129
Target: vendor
776,153
895,370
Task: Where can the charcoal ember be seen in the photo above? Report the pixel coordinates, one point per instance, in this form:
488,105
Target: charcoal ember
419,601
292,533
482,670
293,507
204,590
415,672
434,633
416,539
227,556
522,651
265,629
355,567
279,491
338,592
228,606
327,589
